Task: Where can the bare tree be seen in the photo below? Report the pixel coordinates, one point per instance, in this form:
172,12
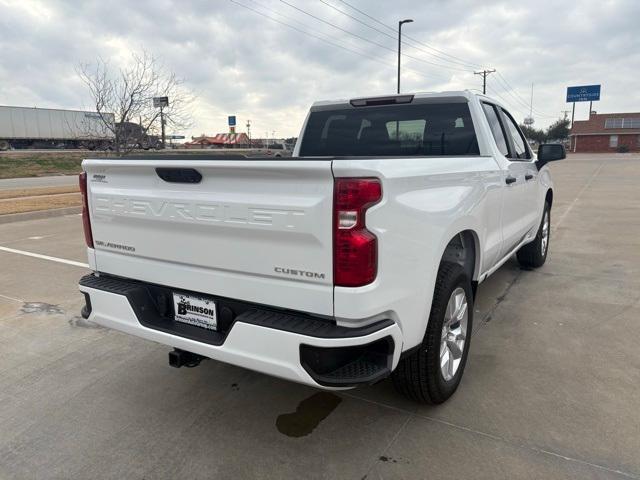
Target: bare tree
123,99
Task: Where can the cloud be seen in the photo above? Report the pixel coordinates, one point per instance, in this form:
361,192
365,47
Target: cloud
241,62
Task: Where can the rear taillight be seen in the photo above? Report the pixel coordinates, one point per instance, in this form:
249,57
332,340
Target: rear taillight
86,223
355,249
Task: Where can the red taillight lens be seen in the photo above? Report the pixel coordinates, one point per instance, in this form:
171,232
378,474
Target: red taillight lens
86,223
355,249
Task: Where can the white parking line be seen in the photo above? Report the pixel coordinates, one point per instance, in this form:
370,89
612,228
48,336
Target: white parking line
11,298
586,185
45,257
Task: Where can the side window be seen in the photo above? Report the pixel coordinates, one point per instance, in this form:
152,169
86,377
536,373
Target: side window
519,143
496,128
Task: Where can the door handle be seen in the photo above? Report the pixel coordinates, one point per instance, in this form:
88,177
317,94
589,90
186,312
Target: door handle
528,177
510,180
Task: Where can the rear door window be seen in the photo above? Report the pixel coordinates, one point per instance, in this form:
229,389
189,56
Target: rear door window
520,150
395,130
496,128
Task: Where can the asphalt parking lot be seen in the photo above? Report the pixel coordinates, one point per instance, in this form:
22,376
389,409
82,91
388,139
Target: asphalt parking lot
551,390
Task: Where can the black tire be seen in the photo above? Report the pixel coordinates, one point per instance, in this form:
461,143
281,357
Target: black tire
418,376
533,255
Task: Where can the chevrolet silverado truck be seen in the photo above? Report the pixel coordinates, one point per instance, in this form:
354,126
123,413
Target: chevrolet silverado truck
355,259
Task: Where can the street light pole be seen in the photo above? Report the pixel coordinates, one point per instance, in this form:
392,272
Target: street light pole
400,23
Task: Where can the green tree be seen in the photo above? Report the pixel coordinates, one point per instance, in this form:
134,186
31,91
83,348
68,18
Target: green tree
533,133
559,130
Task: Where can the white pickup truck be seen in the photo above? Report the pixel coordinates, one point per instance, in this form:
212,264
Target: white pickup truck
356,259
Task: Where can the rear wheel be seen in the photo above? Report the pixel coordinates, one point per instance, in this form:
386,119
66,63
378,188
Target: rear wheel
432,373
534,254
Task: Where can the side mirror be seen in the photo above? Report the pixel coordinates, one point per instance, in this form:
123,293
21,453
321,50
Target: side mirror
550,152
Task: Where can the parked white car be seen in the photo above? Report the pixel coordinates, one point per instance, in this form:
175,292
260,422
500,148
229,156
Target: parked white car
355,259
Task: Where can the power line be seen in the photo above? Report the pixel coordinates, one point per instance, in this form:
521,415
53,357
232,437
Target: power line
509,104
511,91
320,36
337,27
309,34
356,19
457,60
506,102
370,57
394,37
379,45
507,87
307,27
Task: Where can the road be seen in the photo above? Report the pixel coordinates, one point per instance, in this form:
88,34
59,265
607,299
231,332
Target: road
32,182
551,388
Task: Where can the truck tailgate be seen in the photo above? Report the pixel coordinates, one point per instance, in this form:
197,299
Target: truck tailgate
253,230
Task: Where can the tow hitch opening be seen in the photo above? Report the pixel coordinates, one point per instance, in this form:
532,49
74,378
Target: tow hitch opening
181,358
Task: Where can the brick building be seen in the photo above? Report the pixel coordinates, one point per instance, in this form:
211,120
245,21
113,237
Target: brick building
607,132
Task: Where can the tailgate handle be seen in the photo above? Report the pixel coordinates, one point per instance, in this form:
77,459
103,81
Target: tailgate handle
179,175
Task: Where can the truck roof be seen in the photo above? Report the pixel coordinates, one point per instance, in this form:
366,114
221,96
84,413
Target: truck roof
409,97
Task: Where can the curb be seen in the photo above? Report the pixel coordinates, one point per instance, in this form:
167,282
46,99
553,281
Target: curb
56,212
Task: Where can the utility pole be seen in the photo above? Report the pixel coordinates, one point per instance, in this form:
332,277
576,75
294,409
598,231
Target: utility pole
400,23
161,102
484,74
162,127
249,131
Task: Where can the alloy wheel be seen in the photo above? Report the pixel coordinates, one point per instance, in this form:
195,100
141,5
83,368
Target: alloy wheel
454,333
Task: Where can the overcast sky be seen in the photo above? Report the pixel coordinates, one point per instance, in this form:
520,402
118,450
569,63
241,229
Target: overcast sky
239,62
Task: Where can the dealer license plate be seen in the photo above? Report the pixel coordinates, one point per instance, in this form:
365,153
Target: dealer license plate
195,310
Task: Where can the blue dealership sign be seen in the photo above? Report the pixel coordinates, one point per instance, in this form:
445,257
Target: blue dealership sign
586,93
232,120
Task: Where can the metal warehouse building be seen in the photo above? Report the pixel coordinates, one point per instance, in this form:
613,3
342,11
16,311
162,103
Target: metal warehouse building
607,132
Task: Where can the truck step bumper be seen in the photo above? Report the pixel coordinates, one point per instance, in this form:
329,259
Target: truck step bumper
295,347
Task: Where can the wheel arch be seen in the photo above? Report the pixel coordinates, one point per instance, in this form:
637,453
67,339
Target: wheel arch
549,197
460,244
464,249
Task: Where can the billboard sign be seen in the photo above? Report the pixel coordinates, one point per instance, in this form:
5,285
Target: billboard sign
232,120
159,102
585,93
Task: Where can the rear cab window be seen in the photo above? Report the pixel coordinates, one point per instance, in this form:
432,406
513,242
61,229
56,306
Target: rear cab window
420,129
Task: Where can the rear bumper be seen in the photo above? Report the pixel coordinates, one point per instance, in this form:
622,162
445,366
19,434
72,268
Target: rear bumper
296,347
